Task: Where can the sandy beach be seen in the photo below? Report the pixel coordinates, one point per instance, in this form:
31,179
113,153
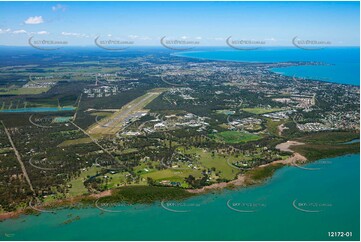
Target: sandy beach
8,215
286,145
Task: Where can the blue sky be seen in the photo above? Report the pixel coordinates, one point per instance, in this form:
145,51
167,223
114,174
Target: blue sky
208,22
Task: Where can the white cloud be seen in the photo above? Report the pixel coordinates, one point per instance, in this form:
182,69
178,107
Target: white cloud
270,39
3,31
217,39
145,38
133,36
58,7
34,20
42,32
74,34
139,37
70,34
20,31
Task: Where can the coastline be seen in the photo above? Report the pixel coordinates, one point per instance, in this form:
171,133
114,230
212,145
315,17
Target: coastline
269,198
313,78
245,180
59,203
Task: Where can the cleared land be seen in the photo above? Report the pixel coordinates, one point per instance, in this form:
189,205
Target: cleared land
234,137
218,161
112,124
173,175
23,91
262,110
76,142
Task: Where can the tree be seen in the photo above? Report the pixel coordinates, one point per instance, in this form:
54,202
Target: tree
150,181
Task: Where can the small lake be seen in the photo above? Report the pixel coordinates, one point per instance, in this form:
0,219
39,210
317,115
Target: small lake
37,110
352,141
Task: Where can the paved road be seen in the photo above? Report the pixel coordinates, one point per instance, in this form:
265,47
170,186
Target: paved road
17,154
94,140
77,108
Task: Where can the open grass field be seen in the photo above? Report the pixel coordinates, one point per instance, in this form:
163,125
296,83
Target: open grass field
234,137
117,179
262,173
272,126
225,112
173,175
77,184
220,162
22,91
84,140
261,110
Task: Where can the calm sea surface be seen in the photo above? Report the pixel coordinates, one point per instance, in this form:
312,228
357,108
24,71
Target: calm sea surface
343,63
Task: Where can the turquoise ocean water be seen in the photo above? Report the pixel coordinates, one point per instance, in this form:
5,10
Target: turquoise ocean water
343,63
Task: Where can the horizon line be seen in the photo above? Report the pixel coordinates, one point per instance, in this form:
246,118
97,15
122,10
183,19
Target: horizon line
160,46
